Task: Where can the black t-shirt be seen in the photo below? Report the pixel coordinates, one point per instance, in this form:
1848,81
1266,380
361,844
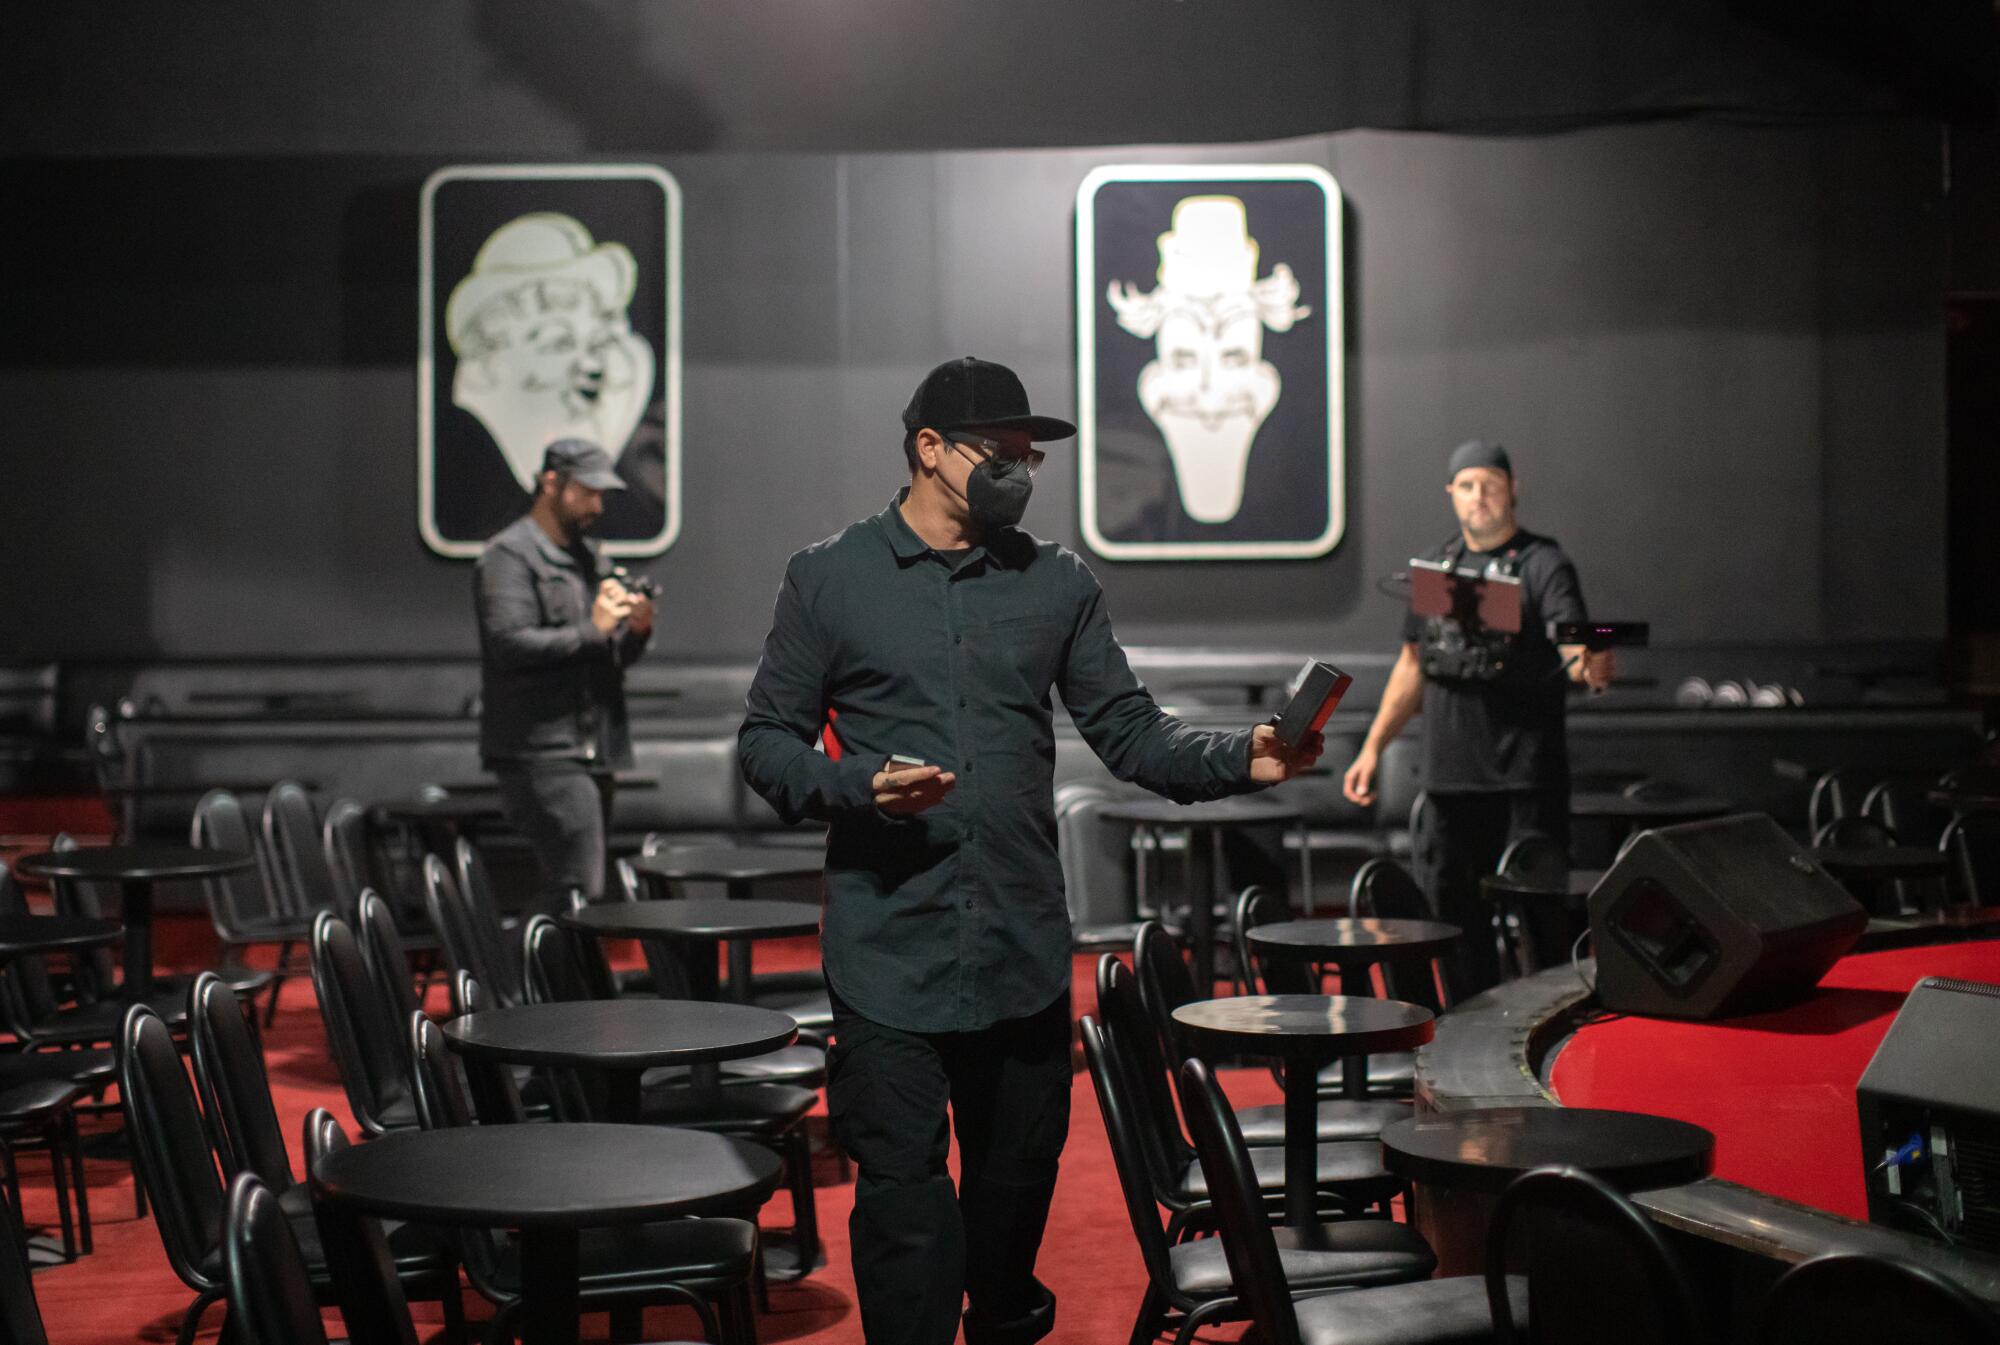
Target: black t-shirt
1505,734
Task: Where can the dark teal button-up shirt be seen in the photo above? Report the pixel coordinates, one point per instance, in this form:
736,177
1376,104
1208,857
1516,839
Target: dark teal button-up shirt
953,919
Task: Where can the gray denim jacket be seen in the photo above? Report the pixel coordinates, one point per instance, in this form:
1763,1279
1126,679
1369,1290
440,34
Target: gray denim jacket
550,683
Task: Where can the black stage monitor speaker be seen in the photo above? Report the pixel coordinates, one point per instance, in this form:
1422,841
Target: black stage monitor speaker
1929,1105
1709,919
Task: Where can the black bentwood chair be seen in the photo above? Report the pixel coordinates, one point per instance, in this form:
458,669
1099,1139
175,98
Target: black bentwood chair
1424,1312
20,1315
1349,1173
1852,1299
269,1289
696,1262
245,907
470,928
1598,1268
1188,1283
360,1030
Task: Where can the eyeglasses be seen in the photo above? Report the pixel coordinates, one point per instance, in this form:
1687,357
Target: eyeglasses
1030,461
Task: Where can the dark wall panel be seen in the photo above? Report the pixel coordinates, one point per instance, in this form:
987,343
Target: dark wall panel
1716,353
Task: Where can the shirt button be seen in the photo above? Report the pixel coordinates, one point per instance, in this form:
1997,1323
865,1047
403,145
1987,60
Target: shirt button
968,905
958,639
961,702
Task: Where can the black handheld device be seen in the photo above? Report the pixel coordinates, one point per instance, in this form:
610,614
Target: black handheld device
1595,635
1315,692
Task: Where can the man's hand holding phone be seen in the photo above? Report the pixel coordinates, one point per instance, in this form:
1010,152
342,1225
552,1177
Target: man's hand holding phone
906,786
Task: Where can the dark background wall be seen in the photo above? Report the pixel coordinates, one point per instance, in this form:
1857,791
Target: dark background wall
1716,352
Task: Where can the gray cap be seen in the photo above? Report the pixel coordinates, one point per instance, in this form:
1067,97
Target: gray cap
586,463
1478,453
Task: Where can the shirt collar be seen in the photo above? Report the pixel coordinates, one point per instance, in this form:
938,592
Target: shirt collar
556,551
903,539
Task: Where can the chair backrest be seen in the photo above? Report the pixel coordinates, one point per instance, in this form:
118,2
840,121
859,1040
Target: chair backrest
1837,793
1134,1043
1598,1268
1385,890
345,843
1123,1128
502,954
1856,832
1096,858
1541,859
270,1291
20,1315
468,995
668,975
96,968
1273,975
358,1025
235,1087
1165,983
234,900
1971,846
388,961
1851,1299
555,964
458,931
442,1104
1240,1215
1902,804
372,1304
30,993
291,830
170,1149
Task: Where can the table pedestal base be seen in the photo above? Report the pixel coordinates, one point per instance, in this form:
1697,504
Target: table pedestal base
548,1286
1453,1220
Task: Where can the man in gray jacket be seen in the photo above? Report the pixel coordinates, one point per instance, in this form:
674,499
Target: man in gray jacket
556,632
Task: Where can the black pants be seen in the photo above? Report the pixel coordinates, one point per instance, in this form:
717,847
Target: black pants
920,1249
1464,840
564,809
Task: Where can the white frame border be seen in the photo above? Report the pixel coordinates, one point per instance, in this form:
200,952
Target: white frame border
670,358
1086,361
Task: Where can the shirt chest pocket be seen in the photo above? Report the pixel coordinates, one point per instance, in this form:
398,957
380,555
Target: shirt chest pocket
560,600
1026,647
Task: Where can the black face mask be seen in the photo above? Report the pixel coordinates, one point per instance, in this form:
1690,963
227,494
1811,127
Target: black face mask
997,491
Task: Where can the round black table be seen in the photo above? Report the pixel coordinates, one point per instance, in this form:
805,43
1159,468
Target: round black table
1485,1150
1614,806
1204,823
701,921
1975,799
135,868
549,1181
54,933
1501,887
620,1038
1542,913
1458,1163
738,868
1306,1032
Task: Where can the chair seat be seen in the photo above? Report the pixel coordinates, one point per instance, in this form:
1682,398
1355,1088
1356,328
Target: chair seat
1351,1252
1338,1120
1391,1071
804,1066
808,1008
1355,1165
270,929
765,1110
417,1250
91,1067
1429,1312
89,1023
682,1251
32,1101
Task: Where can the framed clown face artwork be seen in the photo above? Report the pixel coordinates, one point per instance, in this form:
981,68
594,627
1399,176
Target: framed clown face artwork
549,301
1210,362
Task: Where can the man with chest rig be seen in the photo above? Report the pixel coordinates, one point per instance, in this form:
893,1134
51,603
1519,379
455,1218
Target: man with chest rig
932,634
1496,764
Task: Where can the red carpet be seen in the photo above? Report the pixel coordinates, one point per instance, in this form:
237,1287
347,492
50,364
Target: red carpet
125,1291
1777,1089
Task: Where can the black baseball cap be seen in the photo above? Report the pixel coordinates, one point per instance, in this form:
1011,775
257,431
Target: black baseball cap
968,392
1478,453
586,463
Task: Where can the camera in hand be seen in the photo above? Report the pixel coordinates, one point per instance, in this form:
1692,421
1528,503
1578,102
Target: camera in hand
638,585
1600,635
1315,692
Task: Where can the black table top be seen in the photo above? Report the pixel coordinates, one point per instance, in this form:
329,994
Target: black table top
1484,1150
1362,940
138,863
695,919
722,863
1581,881
450,808
1610,803
48,933
1214,813
576,1174
1275,1023
1979,799
1888,861
621,1033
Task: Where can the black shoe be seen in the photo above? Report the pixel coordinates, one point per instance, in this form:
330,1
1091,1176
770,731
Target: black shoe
1025,1329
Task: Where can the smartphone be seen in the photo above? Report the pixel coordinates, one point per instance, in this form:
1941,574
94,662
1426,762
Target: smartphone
898,762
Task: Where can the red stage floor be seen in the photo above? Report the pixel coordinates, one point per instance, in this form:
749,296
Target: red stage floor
1777,1089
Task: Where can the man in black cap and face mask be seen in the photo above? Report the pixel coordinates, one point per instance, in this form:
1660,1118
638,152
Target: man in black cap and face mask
1496,766
924,642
